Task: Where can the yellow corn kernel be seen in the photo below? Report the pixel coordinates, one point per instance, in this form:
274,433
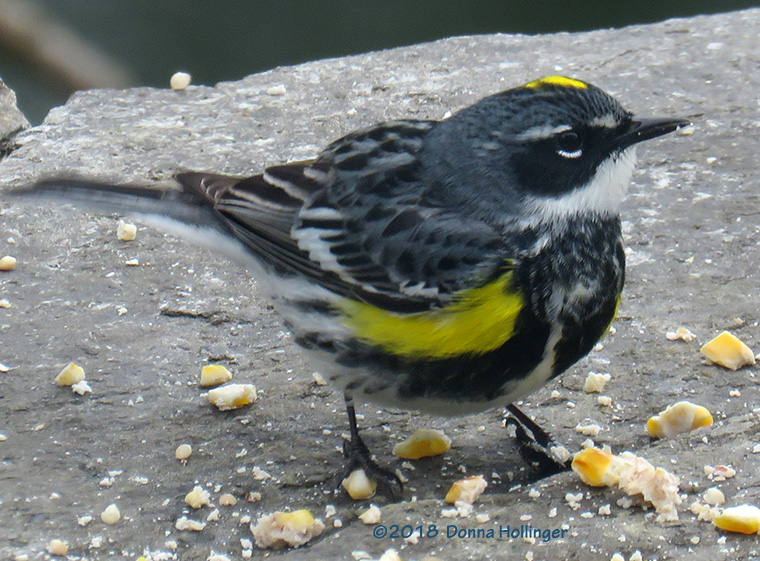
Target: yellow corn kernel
359,486
595,382
391,555
714,496
634,475
424,443
180,81
126,232
680,417
214,375
466,490
680,334
198,497
7,263
744,519
728,351
286,529
183,452
57,547
232,396
296,520
592,465
111,515
228,499
371,516
70,375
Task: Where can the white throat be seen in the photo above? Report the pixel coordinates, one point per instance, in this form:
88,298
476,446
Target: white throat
602,194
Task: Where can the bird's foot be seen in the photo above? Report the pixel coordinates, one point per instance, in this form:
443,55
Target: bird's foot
535,444
358,457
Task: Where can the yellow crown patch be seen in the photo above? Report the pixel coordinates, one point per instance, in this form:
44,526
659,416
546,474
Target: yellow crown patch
557,81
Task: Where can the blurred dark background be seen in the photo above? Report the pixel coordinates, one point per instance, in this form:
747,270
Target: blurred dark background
50,48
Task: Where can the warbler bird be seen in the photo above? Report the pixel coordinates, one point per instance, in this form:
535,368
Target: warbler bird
445,266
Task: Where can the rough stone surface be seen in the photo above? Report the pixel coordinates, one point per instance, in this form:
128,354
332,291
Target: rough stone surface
143,332
11,119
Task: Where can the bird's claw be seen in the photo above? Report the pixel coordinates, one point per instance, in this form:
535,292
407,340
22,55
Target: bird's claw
535,444
359,457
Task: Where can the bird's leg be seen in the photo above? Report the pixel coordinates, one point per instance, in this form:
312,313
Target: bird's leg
358,457
535,443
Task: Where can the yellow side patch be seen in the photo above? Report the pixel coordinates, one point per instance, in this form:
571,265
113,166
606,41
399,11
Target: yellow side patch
614,314
557,81
478,321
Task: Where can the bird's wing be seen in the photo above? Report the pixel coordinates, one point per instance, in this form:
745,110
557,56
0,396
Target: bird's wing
357,221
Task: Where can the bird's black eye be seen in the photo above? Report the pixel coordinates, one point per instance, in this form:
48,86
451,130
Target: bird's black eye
569,144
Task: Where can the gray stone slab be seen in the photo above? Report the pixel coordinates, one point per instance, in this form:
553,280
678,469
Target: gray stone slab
143,332
12,120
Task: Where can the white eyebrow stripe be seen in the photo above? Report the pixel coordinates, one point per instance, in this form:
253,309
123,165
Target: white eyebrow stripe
542,132
607,121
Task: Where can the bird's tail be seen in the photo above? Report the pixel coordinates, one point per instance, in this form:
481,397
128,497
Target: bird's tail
184,206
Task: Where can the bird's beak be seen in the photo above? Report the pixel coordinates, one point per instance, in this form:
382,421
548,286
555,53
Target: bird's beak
639,130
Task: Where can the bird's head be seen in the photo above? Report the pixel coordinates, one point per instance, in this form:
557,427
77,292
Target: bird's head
553,147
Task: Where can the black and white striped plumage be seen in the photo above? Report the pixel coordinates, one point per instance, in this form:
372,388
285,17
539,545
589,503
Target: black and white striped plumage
509,208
